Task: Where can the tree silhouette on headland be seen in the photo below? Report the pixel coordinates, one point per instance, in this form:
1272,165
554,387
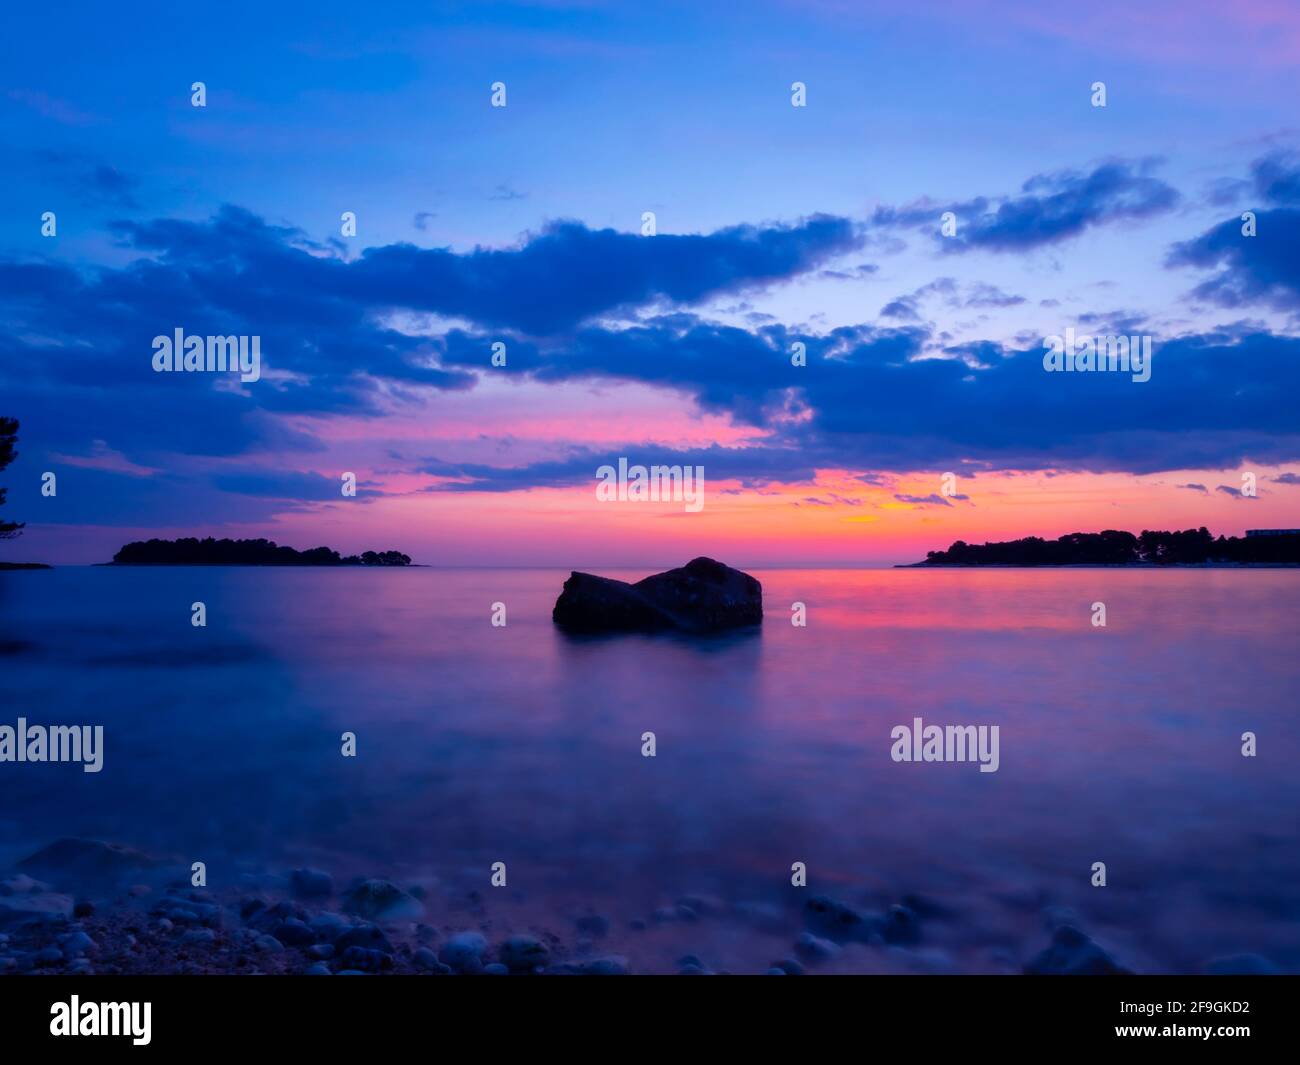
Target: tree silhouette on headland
8,438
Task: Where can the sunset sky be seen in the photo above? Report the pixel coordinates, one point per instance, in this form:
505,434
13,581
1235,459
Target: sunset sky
776,225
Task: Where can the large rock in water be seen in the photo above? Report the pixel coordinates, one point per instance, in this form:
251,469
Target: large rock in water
701,596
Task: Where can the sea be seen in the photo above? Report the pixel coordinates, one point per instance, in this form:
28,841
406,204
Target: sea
674,787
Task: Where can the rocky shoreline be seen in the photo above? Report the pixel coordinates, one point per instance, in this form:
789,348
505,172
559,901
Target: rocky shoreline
300,922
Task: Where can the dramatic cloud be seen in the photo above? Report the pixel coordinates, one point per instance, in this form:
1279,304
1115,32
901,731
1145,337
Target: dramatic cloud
1260,269
870,398
1051,208
552,281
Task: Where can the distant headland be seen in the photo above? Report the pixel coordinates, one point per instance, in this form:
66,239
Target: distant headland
1192,547
191,551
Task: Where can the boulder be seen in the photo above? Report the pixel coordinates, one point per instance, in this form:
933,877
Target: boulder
702,596
1073,953
86,861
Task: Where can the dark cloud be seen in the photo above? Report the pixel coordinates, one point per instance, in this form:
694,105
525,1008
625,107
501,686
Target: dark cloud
934,499
92,183
1261,269
870,399
1050,208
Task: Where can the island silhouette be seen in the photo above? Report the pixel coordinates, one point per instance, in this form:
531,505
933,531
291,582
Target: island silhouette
1191,547
191,551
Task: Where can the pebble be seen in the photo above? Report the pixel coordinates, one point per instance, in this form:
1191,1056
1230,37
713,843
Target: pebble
50,955
814,948
269,944
836,921
199,937
524,953
1073,953
902,926
609,966
321,951
364,935
496,969
293,933
464,952
381,898
75,944
319,969
1241,965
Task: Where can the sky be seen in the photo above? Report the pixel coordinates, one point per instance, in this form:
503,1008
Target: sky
776,228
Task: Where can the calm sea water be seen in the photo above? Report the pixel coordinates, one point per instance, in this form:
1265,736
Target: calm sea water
479,744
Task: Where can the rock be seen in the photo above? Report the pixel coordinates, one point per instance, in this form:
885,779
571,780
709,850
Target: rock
83,909
789,967
692,970
293,933
86,861
328,926
39,908
311,884
318,969
702,596
268,944
464,952
363,935
371,961
22,884
81,967
927,908
815,948
320,951
165,925
1241,965
50,955
75,944
496,969
774,971
690,959
902,927
1073,954
199,937
838,922
381,900
523,954
426,960
610,966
